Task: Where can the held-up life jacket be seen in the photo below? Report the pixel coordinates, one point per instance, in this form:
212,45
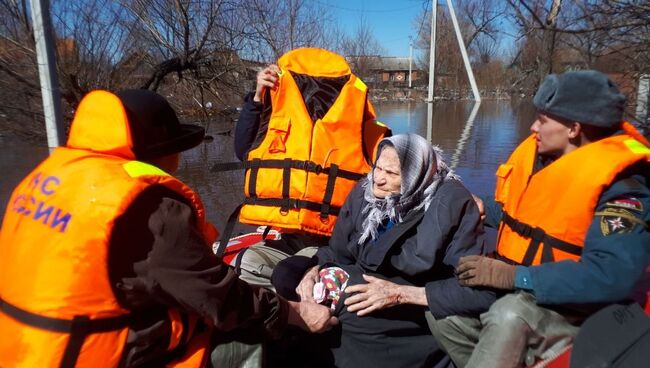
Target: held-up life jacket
546,216
321,139
57,306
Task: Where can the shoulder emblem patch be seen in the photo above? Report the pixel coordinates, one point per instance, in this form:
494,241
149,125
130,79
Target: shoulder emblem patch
625,202
618,221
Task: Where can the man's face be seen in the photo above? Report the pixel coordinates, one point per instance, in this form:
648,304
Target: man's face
553,136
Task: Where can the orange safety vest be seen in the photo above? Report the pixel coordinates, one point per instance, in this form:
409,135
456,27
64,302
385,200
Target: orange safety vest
57,306
546,215
302,171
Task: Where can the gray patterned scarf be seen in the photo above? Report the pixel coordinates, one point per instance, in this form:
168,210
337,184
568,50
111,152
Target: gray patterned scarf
422,169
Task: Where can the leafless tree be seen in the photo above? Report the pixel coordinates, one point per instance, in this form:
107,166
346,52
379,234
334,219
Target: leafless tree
537,24
119,44
20,105
94,39
483,32
91,40
183,35
362,49
277,26
608,35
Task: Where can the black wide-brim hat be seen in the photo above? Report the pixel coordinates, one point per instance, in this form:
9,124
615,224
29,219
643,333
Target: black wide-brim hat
154,126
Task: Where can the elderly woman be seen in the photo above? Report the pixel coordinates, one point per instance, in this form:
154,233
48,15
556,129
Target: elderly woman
396,243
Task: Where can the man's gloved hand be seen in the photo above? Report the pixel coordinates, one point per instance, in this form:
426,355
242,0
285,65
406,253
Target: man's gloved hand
484,271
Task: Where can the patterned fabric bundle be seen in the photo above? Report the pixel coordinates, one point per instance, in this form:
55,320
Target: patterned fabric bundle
333,281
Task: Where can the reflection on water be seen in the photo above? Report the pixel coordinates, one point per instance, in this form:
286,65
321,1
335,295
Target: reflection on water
464,136
475,148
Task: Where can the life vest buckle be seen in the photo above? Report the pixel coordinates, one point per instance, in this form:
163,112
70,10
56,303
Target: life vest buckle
288,204
537,233
312,167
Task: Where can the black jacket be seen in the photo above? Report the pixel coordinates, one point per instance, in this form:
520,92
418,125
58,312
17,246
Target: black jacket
158,259
248,125
422,250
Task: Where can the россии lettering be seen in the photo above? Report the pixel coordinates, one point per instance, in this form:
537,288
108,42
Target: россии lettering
36,207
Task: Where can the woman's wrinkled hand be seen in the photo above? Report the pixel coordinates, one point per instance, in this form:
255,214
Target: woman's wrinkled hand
375,295
305,289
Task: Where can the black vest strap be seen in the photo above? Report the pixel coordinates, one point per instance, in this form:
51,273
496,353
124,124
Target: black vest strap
538,236
238,260
227,231
291,203
252,179
286,181
78,332
280,164
79,327
267,229
228,166
329,191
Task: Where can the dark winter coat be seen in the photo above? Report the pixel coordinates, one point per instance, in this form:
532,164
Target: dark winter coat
422,250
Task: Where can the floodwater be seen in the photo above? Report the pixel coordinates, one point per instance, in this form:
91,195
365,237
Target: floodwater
474,143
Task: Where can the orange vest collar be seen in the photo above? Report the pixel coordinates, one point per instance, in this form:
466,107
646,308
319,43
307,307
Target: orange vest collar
314,62
101,125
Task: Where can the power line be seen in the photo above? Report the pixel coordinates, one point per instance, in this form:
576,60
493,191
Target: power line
424,16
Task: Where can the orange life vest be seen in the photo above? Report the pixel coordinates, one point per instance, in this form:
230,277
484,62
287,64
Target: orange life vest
301,173
546,215
57,306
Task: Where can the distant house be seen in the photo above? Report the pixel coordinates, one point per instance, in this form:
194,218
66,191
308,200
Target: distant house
396,69
385,69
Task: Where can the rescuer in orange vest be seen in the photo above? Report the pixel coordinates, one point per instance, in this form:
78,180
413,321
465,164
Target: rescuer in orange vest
105,257
571,206
310,112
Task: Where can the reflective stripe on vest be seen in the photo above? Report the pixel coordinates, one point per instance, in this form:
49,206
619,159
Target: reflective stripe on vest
136,169
300,174
546,215
154,175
